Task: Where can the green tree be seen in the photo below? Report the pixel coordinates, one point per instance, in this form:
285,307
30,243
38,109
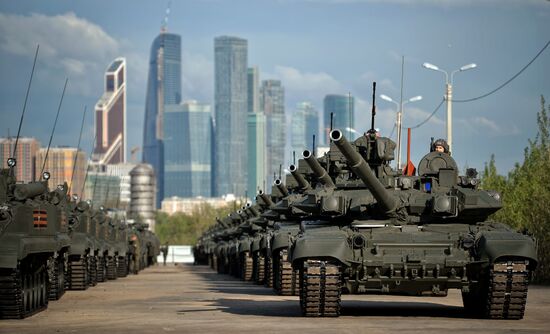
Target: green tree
526,192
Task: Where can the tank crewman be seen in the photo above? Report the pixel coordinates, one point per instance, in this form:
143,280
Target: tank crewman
440,145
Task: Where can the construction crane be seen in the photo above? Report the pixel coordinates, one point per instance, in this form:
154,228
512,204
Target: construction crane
133,153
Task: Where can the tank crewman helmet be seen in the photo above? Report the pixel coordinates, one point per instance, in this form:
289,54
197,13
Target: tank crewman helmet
442,143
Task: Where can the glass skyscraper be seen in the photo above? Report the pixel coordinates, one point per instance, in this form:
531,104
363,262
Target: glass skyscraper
231,104
187,145
272,102
256,135
110,116
343,108
305,124
163,88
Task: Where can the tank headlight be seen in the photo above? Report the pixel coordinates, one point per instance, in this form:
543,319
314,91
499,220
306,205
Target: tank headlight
75,197
46,176
12,162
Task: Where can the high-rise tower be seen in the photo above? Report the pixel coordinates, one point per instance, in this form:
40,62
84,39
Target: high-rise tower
163,88
230,95
272,102
110,116
342,108
187,150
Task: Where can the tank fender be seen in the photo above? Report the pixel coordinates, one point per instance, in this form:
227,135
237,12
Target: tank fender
280,240
494,245
255,245
314,246
244,245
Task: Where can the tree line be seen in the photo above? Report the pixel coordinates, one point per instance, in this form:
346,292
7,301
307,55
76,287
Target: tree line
525,192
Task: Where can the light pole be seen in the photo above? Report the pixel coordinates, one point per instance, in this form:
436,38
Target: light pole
399,120
449,96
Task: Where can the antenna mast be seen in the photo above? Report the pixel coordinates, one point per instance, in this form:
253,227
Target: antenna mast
53,130
25,104
77,149
164,24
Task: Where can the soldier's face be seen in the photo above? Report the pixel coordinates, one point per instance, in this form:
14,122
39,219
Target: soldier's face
439,148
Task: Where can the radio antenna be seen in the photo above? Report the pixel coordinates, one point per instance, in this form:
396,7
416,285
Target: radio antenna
54,125
25,103
77,149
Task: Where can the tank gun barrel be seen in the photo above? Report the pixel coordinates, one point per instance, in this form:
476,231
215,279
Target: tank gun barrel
318,170
279,184
29,190
253,210
362,169
302,182
267,200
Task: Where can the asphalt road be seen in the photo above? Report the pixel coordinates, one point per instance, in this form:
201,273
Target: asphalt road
194,299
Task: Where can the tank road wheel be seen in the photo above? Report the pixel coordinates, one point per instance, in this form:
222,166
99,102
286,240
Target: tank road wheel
503,293
23,291
268,282
78,273
320,289
246,266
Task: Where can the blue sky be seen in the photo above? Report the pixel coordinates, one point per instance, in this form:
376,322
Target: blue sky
316,47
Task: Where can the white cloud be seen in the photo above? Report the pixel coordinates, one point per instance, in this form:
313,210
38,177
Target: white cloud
198,77
68,44
440,3
305,86
481,124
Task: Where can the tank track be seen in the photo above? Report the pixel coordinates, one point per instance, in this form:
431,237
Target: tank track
505,295
122,267
111,263
246,265
320,289
101,269
92,270
23,293
287,279
268,282
56,275
78,275
259,268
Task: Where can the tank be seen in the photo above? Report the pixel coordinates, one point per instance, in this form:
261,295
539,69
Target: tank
382,232
29,224
82,246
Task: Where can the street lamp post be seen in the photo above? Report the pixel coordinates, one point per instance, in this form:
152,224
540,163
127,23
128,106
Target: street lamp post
449,96
399,121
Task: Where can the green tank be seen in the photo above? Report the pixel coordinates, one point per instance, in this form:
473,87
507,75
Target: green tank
29,226
382,232
82,246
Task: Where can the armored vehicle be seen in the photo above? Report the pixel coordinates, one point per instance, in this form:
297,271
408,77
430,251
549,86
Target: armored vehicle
388,233
29,223
82,246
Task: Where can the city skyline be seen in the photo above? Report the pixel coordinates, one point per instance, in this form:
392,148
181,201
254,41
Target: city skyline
500,39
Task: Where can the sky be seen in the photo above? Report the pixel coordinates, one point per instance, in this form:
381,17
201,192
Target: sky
315,47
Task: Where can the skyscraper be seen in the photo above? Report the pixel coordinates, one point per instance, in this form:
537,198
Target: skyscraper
342,107
230,95
25,156
187,154
163,88
256,153
305,124
253,89
272,102
256,135
110,116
